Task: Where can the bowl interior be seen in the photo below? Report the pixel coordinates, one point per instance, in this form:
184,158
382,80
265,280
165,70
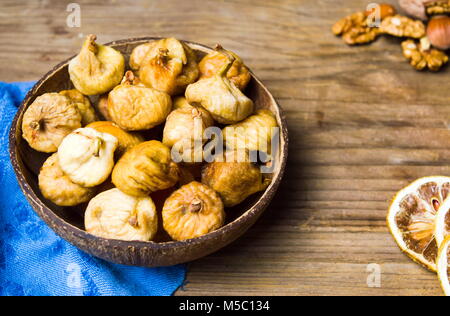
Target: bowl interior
28,162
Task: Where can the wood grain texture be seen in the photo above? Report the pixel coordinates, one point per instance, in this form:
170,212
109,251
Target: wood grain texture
362,124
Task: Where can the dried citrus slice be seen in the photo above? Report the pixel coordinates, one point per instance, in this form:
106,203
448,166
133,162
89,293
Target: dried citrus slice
442,224
442,265
412,215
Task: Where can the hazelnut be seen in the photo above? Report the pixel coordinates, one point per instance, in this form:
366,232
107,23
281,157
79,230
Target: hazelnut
438,32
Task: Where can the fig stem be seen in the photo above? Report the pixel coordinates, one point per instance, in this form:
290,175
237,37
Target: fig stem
90,43
196,206
224,70
98,144
133,221
163,57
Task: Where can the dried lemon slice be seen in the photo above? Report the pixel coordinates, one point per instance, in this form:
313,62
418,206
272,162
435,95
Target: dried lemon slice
411,218
442,223
443,267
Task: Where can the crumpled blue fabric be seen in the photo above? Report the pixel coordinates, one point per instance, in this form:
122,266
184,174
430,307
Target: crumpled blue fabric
35,261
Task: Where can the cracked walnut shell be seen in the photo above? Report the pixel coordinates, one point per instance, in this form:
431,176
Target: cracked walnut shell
234,179
422,56
145,168
135,107
58,188
192,211
402,26
116,215
49,119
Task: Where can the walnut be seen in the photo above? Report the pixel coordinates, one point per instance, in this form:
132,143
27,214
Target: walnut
402,26
422,56
437,8
355,30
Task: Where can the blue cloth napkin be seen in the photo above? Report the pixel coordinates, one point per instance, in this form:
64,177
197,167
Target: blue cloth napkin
35,261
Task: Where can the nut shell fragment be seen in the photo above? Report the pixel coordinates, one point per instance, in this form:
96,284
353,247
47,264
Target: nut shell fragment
49,119
116,215
58,188
144,169
192,211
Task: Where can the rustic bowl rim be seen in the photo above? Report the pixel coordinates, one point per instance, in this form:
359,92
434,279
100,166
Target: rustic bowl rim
259,205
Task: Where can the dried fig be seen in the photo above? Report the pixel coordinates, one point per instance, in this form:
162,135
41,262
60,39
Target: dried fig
226,103
234,179
97,69
254,133
192,211
185,129
87,156
144,169
134,107
102,107
83,104
138,55
115,215
169,66
213,62
127,140
49,119
58,188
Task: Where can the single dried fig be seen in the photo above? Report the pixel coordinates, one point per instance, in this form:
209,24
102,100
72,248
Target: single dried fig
83,104
58,188
49,119
144,169
185,129
192,211
138,55
87,156
127,140
234,179
116,215
254,133
212,63
169,66
97,69
226,103
135,107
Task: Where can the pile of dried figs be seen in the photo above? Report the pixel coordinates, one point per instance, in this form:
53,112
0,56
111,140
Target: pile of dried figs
113,137
426,34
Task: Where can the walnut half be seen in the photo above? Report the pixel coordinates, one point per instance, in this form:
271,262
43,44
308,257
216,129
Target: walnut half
355,30
422,56
402,26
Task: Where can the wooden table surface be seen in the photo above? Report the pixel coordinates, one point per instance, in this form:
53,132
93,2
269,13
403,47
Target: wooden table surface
362,123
